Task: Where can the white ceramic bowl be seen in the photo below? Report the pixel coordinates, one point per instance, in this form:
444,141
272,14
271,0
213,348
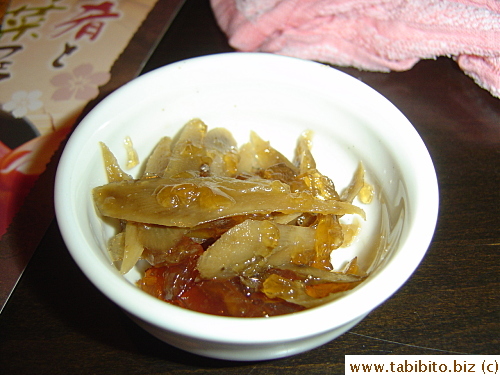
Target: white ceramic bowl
278,97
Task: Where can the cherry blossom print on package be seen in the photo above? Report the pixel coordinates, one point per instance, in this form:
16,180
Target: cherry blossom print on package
54,56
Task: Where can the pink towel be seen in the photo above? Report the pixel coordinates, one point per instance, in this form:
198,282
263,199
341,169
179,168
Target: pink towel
375,35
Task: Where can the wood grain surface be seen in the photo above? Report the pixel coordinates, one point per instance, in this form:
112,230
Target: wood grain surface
57,323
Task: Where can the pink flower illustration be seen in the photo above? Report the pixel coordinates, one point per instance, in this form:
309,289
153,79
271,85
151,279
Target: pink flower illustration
82,83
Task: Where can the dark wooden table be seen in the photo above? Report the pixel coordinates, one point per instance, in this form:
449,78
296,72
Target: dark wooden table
56,322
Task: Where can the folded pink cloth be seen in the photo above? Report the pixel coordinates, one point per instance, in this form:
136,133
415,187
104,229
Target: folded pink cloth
375,35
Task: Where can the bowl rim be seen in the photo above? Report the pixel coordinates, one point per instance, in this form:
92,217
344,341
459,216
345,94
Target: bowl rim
367,296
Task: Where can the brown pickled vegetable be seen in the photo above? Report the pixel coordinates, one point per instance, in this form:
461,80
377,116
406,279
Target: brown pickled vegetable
187,202
232,231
